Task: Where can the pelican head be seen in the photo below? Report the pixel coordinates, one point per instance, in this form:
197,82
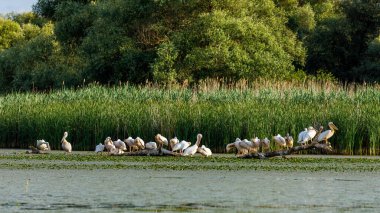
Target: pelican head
199,136
332,126
65,134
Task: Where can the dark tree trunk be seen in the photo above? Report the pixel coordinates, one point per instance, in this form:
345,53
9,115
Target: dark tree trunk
153,152
313,145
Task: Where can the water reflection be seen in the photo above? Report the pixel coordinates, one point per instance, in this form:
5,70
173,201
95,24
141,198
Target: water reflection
176,191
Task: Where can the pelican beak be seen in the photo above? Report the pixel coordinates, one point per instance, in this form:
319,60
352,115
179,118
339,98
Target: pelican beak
333,125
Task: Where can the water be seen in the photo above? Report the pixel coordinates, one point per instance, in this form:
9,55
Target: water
205,191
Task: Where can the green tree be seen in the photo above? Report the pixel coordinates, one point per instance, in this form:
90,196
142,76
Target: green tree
340,43
369,68
10,33
227,42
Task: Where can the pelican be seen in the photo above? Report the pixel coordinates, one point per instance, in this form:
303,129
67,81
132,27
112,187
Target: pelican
99,148
173,142
307,135
139,143
130,143
280,141
265,144
116,151
240,150
251,146
204,151
161,140
43,145
193,149
151,145
302,137
328,133
289,141
108,143
65,144
256,144
181,146
120,145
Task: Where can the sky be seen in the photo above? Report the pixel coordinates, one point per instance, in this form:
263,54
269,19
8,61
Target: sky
8,6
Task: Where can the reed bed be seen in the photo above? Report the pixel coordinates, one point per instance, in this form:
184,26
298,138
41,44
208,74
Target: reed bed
219,110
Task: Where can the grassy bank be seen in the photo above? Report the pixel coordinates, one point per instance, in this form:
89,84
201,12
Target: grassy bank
220,162
221,112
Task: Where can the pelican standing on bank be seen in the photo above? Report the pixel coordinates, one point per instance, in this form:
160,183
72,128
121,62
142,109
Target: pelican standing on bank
65,144
240,150
120,144
280,141
328,133
193,149
161,140
265,144
108,143
289,141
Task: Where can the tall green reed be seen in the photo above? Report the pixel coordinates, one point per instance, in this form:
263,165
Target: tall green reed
220,111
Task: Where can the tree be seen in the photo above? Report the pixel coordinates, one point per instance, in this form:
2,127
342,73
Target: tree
10,33
245,40
369,68
339,43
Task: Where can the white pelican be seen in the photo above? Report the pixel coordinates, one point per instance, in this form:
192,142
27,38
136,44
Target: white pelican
289,141
240,150
204,151
99,148
306,135
252,145
265,144
120,145
151,145
181,146
139,143
65,144
173,142
116,151
43,145
328,133
280,141
302,137
108,143
161,140
130,143
193,149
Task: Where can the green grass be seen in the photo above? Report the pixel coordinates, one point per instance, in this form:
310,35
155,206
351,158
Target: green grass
93,161
221,112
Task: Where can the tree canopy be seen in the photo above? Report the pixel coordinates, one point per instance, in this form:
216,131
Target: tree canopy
109,41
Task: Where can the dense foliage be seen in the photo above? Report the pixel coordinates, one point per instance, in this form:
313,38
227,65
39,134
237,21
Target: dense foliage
71,42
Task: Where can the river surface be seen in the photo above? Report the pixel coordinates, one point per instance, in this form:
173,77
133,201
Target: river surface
197,191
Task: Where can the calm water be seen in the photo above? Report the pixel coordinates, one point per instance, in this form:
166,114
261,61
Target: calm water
206,191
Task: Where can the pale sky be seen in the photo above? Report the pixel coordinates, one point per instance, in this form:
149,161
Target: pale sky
18,6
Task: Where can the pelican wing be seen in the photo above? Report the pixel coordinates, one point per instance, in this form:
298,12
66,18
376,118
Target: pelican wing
302,136
325,135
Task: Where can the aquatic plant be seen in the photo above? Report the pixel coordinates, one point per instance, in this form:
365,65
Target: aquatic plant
219,110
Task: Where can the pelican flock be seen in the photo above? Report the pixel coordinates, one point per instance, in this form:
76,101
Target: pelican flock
184,148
